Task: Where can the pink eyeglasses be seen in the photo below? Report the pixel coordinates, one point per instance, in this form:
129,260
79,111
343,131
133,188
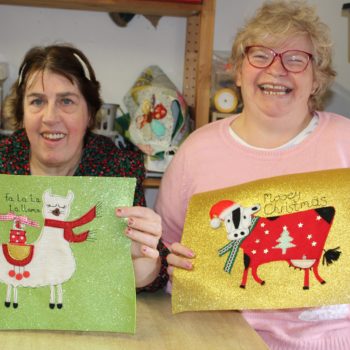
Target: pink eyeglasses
294,61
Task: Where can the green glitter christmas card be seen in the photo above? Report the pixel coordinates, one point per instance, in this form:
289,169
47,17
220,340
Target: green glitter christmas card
65,262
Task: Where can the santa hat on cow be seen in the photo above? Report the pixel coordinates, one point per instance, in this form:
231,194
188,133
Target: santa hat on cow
219,210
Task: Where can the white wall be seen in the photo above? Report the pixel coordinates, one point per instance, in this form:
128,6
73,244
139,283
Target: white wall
117,54
120,54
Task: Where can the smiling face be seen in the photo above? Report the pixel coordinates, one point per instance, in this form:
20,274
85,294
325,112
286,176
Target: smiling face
55,119
274,92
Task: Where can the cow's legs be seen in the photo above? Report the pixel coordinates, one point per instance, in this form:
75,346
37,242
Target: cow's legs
255,275
318,277
244,278
306,278
246,261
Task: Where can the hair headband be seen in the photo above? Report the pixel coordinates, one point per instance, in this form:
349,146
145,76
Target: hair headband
83,64
20,73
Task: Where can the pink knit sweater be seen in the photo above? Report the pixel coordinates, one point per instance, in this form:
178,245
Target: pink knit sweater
210,159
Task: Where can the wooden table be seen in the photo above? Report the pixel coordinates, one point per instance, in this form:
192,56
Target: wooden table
157,329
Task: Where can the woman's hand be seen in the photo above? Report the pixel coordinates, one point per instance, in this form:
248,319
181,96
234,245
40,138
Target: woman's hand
144,228
179,257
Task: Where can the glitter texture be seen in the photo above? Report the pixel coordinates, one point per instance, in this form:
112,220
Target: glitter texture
100,295
209,287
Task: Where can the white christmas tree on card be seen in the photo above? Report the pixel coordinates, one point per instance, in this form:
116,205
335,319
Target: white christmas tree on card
285,241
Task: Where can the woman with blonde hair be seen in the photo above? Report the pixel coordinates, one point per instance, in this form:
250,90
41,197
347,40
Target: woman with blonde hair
282,60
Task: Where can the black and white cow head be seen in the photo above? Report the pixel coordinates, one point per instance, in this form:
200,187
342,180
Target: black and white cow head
237,219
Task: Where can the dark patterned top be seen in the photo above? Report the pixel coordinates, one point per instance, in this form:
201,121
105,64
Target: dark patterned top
100,158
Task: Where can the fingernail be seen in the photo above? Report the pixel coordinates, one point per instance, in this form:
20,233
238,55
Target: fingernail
144,250
128,231
188,265
131,222
119,211
190,254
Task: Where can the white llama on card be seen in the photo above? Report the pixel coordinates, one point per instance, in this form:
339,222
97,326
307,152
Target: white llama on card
49,261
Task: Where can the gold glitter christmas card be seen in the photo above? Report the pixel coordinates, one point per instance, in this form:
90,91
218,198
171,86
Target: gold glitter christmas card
282,242
65,263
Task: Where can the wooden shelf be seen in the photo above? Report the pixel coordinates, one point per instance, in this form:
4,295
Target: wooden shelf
198,45
143,7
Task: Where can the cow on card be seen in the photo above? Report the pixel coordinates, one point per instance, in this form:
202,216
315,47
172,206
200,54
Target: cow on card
297,238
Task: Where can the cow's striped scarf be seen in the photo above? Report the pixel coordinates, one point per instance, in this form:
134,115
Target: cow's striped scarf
233,247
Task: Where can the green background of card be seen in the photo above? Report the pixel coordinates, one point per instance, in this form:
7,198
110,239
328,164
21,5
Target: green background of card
100,296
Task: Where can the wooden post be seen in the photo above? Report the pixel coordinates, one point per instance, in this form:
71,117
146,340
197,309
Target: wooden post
198,61
346,11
